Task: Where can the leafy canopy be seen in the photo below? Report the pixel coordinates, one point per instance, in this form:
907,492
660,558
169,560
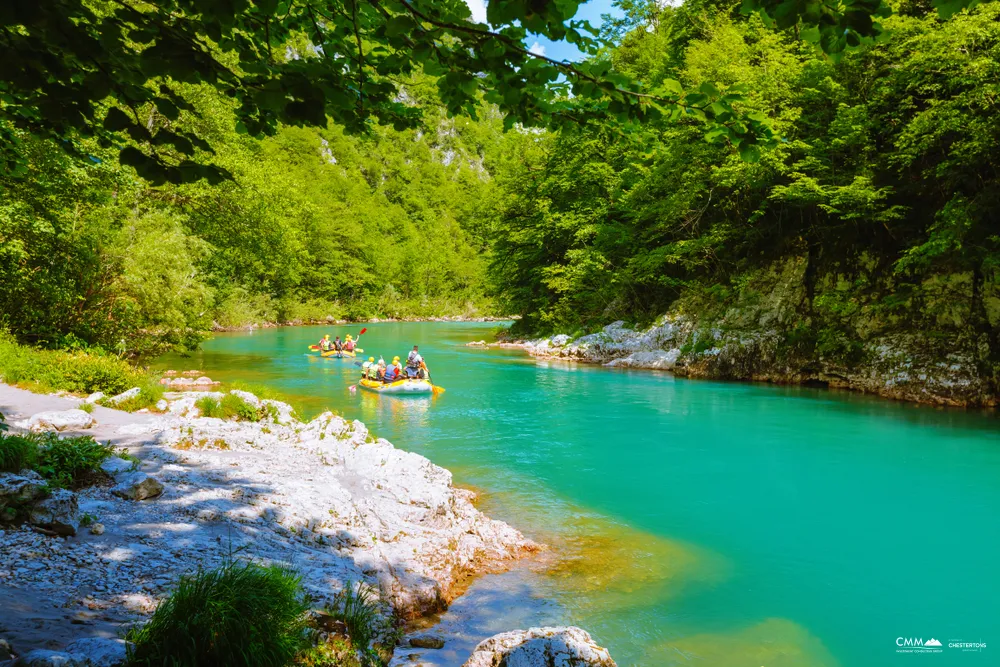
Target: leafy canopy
74,69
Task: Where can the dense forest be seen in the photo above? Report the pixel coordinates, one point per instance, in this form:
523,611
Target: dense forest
865,172
314,223
885,182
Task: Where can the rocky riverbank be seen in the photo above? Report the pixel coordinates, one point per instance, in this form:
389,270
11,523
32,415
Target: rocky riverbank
910,367
325,496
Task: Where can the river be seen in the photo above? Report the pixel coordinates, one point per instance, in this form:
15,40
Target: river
693,522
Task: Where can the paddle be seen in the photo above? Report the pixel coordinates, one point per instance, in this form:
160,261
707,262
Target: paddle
434,388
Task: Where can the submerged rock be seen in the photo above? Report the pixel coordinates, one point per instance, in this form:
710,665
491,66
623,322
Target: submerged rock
541,647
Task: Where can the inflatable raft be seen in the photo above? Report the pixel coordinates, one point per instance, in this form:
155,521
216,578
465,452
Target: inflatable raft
338,355
407,386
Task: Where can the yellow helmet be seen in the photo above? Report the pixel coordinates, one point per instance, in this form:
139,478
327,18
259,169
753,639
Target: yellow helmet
348,336
395,359
371,358
326,336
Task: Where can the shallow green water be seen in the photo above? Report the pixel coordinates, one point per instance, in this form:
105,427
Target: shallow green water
696,523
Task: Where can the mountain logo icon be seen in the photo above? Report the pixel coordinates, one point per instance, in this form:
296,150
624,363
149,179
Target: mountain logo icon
932,642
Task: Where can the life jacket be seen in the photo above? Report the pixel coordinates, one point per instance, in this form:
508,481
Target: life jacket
413,359
349,346
391,373
364,368
338,346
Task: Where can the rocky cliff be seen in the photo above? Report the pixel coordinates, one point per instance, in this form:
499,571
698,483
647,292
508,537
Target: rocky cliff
846,329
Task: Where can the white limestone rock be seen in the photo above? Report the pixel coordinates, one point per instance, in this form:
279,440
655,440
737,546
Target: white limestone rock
59,512
247,397
95,397
655,360
541,647
59,420
89,652
285,412
124,396
137,486
99,652
22,487
116,465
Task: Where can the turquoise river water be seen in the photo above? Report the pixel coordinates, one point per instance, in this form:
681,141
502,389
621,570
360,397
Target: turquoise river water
693,522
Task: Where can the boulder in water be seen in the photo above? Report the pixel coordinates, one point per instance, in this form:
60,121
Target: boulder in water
541,647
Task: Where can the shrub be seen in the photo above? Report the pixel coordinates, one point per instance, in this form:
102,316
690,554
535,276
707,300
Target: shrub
63,462
52,370
69,462
17,453
241,614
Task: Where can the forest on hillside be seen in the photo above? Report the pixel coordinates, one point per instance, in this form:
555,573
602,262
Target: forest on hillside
870,164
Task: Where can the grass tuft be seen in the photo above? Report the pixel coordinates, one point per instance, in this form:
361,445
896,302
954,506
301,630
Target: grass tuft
241,614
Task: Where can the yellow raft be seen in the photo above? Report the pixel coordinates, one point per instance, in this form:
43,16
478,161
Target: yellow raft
343,354
404,386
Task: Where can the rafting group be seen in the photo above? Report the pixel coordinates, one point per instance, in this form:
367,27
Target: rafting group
338,348
379,376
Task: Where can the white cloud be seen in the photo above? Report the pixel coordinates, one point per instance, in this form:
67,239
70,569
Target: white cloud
537,49
478,9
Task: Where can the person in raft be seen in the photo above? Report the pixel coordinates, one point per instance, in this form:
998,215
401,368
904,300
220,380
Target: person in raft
349,343
366,366
389,373
414,362
324,343
337,344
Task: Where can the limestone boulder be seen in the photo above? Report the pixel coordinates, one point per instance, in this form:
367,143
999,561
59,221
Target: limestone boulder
59,512
59,420
99,652
20,488
90,652
124,396
137,486
116,465
541,647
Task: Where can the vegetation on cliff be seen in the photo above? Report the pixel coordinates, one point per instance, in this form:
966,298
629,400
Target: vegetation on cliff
879,205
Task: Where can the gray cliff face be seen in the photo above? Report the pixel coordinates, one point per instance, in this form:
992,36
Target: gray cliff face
780,325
